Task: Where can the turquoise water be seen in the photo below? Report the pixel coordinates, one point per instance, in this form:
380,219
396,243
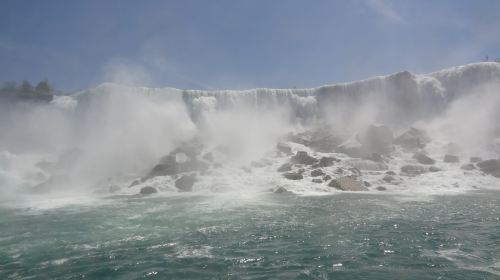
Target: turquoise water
347,236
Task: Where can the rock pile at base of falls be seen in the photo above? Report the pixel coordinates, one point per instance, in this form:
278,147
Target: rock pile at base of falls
347,184
376,139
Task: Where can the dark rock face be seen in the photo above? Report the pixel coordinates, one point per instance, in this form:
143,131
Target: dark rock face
303,158
377,139
413,170
293,176
468,167
147,190
285,167
451,159
380,188
185,183
388,178
423,159
490,166
317,173
390,173
282,147
318,181
347,184
327,178
412,139
434,169
282,190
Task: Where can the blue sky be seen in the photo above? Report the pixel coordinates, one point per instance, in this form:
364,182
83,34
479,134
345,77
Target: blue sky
239,44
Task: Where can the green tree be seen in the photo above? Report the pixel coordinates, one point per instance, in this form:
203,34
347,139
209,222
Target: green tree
43,87
26,87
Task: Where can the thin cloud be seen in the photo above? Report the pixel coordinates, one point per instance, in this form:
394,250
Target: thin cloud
386,10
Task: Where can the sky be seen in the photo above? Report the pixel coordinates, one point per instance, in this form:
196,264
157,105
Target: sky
238,44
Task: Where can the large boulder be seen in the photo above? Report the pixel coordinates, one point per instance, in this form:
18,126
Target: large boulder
285,167
303,158
412,139
365,164
327,161
293,176
284,148
317,173
185,183
147,190
490,166
423,159
347,184
413,170
175,163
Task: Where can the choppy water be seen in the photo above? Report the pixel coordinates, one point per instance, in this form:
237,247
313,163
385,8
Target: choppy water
347,236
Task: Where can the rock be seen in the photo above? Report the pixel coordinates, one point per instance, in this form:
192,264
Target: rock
284,148
327,161
490,166
185,183
147,190
285,167
434,169
317,172
380,188
388,178
413,170
282,190
412,139
176,163
303,158
293,176
365,164
390,173
475,159
339,170
468,167
423,159
451,159
376,139
366,184
347,184
327,178
318,181
375,157
134,183
208,157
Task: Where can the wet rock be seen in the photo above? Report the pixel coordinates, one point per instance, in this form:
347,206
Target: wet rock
413,170
282,190
185,183
147,190
317,173
412,139
451,159
347,184
423,159
293,176
468,167
375,157
176,163
327,178
475,159
316,180
490,166
434,169
285,167
380,188
390,173
388,178
303,158
339,170
366,184
327,161
284,148
134,183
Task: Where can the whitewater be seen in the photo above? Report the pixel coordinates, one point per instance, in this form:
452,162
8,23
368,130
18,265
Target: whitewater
394,177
